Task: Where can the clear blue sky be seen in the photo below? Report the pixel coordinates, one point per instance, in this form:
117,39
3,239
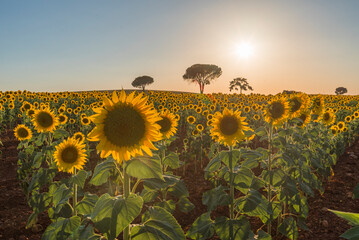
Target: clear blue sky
310,46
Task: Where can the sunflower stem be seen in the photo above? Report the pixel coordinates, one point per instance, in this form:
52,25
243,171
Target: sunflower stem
270,171
126,194
231,209
74,200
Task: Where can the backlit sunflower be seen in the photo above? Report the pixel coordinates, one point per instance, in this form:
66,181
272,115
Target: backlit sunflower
199,127
85,121
62,118
328,118
277,111
45,120
348,118
125,126
305,117
334,129
318,105
297,104
340,125
22,132
70,154
168,123
228,127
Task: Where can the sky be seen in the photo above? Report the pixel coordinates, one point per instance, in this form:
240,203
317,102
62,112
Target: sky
310,46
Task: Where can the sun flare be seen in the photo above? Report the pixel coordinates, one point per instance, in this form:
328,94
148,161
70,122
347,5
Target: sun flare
245,50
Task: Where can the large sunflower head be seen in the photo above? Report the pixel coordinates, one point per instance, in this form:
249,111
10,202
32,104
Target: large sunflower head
228,127
277,111
305,117
297,104
318,105
22,132
45,120
168,123
125,126
328,118
70,154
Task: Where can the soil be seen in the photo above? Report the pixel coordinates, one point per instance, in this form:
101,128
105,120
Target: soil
14,210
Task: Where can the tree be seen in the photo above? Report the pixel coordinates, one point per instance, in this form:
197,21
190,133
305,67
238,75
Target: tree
240,83
141,82
202,74
340,90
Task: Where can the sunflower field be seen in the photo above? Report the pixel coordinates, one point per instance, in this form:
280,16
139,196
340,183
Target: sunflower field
110,165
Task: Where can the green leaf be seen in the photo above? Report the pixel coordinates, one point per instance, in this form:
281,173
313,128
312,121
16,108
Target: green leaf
352,218
37,161
61,195
86,205
255,204
149,195
275,177
158,224
179,189
243,179
263,235
185,205
144,167
215,197
289,228
103,171
169,205
202,228
112,214
62,228
172,160
79,178
41,177
351,234
241,228
60,133
214,164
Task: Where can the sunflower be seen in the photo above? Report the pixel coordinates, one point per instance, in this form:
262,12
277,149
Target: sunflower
195,132
318,105
85,121
168,124
277,111
62,118
305,117
44,120
341,125
297,104
256,117
191,119
125,126
334,129
70,154
79,136
328,118
348,118
246,109
199,127
356,114
228,127
22,132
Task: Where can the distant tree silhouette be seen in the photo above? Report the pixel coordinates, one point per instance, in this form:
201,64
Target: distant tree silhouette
340,90
141,82
240,83
202,74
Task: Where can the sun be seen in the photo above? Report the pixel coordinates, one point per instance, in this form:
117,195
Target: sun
245,50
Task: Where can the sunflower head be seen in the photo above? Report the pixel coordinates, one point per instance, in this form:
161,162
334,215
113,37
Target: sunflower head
328,118
228,127
22,132
277,111
318,105
305,118
168,124
70,154
340,125
125,126
62,118
85,121
297,104
79,136
44,120
199,127
191,119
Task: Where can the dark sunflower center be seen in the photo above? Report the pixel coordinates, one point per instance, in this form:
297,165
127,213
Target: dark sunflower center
340,125
326,116
124,126
62,119
229,125
85,120
165,124
78,137
277,110
27,106
69,154
45,120
295,104
22,132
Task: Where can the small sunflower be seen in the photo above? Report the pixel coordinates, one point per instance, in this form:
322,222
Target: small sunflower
22,132
199,127
256,117
191,119
125,126
348,118
341,125
70,154
79,136
168,123
334,129
85,121
297,104
277,111
195,132
228,127
62,118
305,117
45,120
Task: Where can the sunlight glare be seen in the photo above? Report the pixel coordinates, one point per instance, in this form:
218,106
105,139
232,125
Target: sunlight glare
245,50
